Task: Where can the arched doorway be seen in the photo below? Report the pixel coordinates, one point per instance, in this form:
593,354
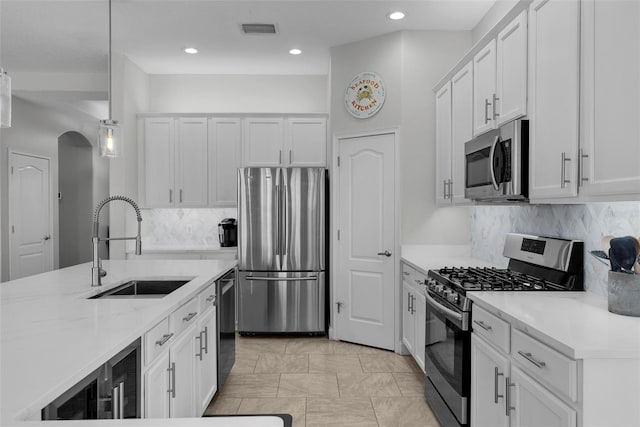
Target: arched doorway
82,178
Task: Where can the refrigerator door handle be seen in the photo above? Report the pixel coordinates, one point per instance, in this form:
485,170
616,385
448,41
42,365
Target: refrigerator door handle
281,279
278,221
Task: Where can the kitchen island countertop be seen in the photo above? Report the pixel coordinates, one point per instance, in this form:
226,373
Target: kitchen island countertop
52,336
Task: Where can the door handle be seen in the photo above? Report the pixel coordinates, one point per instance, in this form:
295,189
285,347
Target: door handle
47,237
338,304
385,253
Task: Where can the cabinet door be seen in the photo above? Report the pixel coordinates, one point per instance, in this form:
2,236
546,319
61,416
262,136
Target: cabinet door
553,82
461,128
262,142
534,406
206,369
443,144
225,139
183,357
611,99
158,162
191,163
489,370
511,72
420,302
306,142
484,89
156,384
408,327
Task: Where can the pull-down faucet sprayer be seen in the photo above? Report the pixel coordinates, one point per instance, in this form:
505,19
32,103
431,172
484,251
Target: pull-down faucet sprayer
96,271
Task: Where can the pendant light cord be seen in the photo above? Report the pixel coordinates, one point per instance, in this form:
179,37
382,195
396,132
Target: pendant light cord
109,65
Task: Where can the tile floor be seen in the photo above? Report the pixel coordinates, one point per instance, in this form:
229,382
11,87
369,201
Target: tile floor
322,382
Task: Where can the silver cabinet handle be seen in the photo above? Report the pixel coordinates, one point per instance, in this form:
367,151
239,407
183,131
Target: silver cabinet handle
210,298
537,363
170,196
496,396
450,184
418,281
199,338
482,325
563,178
280,157
495,103
190,316
181,195
581,167
406,273
486,111
444,189
413,306
290,157
409,302
205,345
172,380
164,339
507,391
385,253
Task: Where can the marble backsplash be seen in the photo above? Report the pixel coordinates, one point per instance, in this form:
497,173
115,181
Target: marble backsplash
588,222
183,228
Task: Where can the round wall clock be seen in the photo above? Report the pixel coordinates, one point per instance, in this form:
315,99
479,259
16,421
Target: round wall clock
364,95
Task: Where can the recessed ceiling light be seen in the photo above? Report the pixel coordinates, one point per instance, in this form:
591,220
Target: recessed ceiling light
395,16
191,50
295,51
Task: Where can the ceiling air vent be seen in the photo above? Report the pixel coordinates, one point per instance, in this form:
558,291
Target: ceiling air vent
259,29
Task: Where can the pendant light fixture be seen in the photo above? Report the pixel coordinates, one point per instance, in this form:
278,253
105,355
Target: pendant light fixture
5,99
109,130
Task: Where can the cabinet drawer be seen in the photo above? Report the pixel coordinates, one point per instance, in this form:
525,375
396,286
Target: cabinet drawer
156,339
419,279
545,364
184,316
494,329
408,273
207,298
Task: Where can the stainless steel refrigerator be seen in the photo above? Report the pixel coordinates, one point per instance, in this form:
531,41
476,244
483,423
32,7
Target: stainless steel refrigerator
281,250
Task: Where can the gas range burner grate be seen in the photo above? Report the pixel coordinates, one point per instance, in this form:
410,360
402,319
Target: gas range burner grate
494,279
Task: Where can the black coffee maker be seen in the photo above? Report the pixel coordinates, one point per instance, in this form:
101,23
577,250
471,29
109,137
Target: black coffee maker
228,232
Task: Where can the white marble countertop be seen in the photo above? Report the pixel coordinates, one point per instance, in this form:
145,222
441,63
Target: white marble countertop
187,249
576,323
52,336
428,257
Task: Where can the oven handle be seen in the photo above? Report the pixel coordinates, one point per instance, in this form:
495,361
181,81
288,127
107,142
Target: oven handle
435,304
491,154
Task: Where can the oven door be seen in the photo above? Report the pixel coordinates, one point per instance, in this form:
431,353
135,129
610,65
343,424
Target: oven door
447,356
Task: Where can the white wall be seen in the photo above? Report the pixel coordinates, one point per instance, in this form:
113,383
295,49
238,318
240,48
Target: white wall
237,94
410,63
35,130
491,18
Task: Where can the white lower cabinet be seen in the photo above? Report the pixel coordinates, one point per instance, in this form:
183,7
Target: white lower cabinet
489,370
206,375
408,329
414,307
156,385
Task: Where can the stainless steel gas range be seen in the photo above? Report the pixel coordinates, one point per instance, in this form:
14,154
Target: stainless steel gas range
535,264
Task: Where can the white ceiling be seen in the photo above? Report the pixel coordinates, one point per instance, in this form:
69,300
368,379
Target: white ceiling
71,35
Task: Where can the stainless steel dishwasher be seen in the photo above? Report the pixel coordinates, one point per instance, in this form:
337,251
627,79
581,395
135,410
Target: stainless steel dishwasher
226,324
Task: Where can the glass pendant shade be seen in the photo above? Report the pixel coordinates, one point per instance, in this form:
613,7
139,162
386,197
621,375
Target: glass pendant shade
5,100
109,139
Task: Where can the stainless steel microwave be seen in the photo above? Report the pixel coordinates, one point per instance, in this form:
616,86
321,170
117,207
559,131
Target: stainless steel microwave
497,164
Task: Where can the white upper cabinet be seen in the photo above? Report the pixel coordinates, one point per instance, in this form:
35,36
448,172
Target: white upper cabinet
554,75
191,163
443,145
484,89
511,69
156,173
461,129
225,139
306,142
610,142
299,142
262,144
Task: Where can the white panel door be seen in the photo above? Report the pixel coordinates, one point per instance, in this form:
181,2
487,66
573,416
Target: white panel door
489,370
534,406
183,359
511,77
443,144
191,163
484,89
158,153
611,97
31,250
554,52
306,142
461,129
366,276
206,368
156,383
262,142
225,139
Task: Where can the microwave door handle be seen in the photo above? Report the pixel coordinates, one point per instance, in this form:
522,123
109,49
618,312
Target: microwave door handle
491,154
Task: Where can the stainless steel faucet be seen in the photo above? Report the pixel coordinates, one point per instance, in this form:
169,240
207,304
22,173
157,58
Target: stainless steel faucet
96,271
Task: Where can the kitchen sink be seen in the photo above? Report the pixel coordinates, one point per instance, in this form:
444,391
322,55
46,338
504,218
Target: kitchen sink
142,289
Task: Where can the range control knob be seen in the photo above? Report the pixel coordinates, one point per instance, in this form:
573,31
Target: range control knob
453,297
